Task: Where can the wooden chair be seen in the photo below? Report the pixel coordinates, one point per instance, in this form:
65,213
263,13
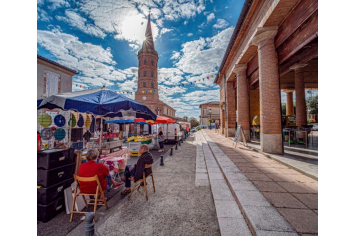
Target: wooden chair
99,193
138,183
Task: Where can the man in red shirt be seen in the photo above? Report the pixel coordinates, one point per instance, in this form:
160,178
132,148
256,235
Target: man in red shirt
90,169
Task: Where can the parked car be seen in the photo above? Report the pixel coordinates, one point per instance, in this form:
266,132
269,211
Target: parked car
315,127
194,130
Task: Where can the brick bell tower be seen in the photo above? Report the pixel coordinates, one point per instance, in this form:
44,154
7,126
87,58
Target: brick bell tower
147,84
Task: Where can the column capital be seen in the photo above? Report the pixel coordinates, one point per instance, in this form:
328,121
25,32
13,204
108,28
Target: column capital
288,90
297,66
263,33
238,68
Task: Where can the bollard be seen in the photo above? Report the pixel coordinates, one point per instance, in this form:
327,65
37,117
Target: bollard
90,224
171,153
179,142
182,141
161,164
176,146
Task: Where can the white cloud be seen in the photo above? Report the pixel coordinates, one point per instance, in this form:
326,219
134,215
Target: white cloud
94,62
220,24
175,55
190,34
169,76
42,15
79,22
165,30
210,17
203,55
54,4
175,9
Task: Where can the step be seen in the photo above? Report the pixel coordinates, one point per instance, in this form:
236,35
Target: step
230,218
260,215
201,173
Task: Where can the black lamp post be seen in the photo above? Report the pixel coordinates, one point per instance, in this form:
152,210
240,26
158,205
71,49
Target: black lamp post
210,119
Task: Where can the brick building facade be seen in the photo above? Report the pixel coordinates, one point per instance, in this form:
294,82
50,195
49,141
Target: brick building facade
273,48
147,85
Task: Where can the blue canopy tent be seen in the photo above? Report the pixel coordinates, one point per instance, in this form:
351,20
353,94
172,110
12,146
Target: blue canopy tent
123,122
100,102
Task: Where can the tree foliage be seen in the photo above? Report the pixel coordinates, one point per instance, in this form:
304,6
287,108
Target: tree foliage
193,122
284,109
312,105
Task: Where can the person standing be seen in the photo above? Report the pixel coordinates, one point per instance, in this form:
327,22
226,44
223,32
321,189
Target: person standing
161,139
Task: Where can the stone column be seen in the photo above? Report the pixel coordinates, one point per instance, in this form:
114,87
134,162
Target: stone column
301,108
270,101
243,101
231,110
289,105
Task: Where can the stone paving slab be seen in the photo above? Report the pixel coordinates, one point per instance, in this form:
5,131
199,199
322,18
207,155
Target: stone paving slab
176,208
231,220
286,189
258,211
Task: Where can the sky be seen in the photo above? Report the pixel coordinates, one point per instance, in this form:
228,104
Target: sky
100,39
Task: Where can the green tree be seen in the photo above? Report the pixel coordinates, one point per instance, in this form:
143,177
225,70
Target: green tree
284,109
193,122
312,105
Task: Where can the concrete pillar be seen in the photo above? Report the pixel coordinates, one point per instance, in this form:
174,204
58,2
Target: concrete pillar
289,105
270,101
301,108
243,100
230,127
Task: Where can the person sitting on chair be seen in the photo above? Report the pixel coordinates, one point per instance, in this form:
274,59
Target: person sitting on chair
92,168
135,172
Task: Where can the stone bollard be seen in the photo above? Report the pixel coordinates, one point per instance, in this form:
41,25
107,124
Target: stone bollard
90,224
176,146
171,153
161,164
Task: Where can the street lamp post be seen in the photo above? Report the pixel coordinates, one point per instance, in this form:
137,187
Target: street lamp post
210,119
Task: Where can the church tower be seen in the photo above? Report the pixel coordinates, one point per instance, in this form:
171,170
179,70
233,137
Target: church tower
147,87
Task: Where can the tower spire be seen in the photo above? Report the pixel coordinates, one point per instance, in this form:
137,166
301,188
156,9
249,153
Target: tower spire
148,43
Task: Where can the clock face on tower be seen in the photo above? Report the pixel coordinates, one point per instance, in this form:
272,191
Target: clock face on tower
144,98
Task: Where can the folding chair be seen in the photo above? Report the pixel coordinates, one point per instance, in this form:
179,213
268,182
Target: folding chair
143,180
99,192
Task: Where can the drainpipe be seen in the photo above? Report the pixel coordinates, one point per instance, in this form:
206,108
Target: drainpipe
226,128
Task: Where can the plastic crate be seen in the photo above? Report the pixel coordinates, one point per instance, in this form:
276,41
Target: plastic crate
47,212
47,195
54,158
47,178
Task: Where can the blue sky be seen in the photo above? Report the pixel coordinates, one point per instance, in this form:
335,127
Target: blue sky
101,38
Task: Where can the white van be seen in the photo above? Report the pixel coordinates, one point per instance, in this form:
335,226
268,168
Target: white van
172,132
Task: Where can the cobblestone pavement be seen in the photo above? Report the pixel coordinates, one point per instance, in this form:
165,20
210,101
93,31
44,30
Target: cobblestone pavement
176,208
293,194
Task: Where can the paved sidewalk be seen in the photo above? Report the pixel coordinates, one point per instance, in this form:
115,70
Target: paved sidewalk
293,194
177,207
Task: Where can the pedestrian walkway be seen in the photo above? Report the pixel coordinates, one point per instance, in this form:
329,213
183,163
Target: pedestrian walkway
292,194
177,207
300,159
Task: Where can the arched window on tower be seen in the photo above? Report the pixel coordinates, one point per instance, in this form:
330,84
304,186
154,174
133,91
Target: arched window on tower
151,84
152,74
144,73
145,62
144,83
151,62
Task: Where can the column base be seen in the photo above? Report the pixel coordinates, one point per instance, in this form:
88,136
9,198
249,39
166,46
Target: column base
230,132
272,143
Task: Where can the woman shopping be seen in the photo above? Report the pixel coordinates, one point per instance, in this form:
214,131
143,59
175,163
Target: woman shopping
161,139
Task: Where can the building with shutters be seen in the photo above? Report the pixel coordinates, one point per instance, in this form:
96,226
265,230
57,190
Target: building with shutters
53,78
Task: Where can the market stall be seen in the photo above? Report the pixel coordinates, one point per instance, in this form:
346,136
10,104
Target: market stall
75,121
